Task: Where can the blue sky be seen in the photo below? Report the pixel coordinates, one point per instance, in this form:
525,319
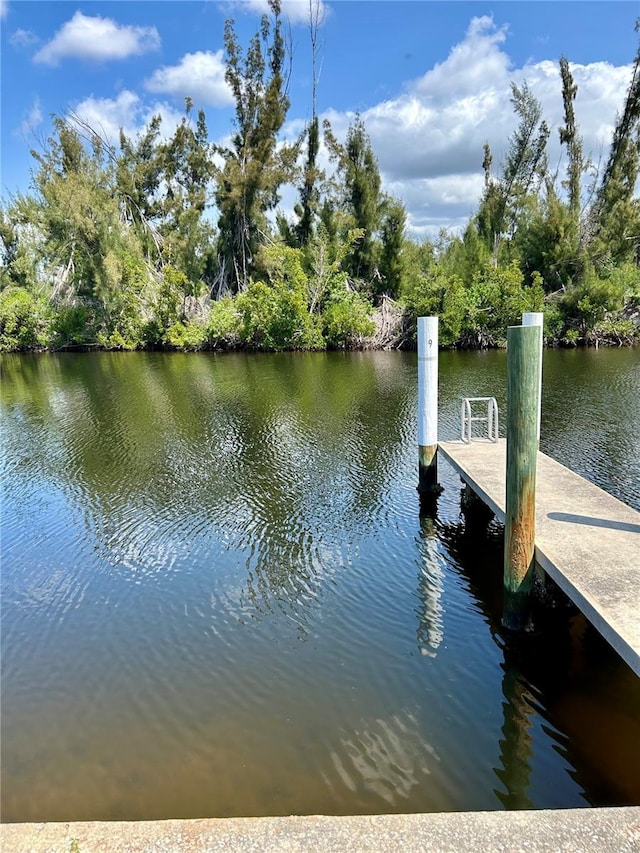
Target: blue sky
430,79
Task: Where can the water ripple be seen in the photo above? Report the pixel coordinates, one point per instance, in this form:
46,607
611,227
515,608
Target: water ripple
216,577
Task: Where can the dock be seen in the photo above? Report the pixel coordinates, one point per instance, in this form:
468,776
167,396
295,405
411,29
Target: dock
586,540
603,830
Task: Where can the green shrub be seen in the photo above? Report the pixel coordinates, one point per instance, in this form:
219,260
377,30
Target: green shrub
553,322
436,293
72,325
617,331
223,328
191,336
499,297
276,318
626,278
171,289
23,320
122,330
116,340
347,320
588,302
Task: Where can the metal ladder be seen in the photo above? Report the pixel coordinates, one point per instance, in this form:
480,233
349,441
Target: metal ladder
468,419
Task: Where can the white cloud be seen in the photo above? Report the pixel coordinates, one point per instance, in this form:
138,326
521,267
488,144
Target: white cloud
476,58
98,39
445,201
199,76
31,119
107,115
23,38
4,8
429,139
297,11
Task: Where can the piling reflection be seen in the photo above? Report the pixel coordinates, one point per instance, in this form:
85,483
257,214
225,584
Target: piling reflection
516,744
562,681
430,631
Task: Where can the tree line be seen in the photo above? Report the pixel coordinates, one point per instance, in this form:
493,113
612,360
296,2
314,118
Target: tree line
178,242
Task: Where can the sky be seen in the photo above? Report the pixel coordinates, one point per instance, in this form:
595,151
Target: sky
431,80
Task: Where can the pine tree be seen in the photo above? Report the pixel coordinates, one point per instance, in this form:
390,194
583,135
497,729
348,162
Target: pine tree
307,208
503,199
362,187
254,166
90,256
187,172
138,176
569,137
359,195
394,218
614,221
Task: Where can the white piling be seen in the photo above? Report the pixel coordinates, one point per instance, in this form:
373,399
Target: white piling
536,318
427,404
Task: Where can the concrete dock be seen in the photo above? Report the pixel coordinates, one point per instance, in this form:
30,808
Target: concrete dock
587,541
606,830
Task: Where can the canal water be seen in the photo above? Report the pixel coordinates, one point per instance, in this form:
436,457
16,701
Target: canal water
220,597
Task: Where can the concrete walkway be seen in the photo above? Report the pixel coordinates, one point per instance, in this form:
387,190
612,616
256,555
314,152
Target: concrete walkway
586,540
607,830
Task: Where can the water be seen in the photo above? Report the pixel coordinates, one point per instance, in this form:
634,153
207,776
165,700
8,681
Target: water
219,596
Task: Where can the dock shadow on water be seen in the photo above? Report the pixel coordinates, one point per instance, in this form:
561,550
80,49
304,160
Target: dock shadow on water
560,681
220,598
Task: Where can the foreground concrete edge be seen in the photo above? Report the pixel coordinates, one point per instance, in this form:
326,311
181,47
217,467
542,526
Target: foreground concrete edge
605,830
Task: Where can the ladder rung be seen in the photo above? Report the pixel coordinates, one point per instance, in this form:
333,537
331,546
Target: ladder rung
468,419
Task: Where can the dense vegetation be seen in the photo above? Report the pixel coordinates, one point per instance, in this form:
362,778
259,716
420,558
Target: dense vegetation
178,242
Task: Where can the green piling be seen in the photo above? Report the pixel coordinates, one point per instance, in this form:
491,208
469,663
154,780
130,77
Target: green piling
524,345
